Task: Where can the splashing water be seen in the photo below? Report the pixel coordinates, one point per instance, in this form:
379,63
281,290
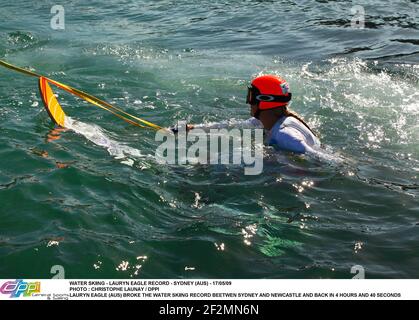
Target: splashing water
97,135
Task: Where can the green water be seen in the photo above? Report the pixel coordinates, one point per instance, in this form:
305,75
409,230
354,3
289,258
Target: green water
94,199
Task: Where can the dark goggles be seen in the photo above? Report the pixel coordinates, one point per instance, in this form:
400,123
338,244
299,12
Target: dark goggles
254,97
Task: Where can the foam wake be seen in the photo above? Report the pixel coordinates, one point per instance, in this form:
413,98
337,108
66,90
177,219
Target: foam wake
96,135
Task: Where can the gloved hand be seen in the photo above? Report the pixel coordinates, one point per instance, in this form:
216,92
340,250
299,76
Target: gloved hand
175,129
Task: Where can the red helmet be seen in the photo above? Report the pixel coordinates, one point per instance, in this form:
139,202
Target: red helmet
269,92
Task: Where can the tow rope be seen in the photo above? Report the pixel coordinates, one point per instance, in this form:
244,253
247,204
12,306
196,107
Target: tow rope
47,92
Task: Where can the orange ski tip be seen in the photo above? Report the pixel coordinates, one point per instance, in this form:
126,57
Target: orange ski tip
51,103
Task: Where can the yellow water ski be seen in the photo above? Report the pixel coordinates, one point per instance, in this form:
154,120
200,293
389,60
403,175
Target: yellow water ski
54,109
54,105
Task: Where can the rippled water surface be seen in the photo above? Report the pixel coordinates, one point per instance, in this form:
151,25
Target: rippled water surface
94,200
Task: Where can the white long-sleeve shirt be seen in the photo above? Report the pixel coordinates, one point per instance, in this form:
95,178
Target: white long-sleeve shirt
288,133
251,123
